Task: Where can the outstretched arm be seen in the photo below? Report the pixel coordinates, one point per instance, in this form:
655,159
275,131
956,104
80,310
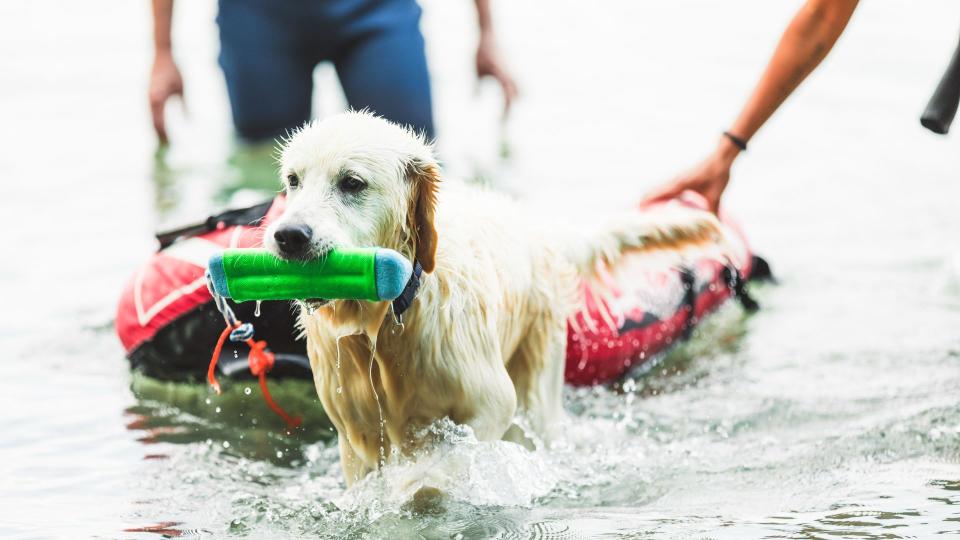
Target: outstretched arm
805,43
489,62
165,80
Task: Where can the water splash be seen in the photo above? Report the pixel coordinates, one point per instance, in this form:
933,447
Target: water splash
339,384
459,466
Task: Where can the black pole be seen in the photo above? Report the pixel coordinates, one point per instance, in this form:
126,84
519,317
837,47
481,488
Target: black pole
939,113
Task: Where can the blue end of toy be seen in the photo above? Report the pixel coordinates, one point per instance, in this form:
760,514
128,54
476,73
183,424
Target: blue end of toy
392,272
218,275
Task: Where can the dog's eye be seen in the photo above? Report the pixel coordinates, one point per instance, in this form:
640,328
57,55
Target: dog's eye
351,185
293,181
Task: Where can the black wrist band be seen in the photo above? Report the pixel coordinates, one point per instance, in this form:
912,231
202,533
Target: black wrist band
737,141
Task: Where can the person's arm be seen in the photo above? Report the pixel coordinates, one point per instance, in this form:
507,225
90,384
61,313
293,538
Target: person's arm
809,37
488,56
165,80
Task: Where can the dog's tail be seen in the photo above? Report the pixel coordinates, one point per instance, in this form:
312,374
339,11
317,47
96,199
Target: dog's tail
668,228
676,233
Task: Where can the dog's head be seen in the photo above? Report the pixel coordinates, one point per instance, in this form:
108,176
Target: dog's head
356,180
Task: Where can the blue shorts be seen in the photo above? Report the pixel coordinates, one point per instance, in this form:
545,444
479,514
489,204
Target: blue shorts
269,49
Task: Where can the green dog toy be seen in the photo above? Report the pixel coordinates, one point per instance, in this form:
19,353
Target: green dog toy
374,274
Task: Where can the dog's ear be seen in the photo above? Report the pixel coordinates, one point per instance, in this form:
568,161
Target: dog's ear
425,180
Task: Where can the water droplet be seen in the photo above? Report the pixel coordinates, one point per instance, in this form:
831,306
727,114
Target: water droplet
217,410
226,444
208,401
339,389
247,391
235,354
279,454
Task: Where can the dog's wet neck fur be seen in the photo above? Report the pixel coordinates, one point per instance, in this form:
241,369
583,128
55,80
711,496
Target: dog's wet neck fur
355,317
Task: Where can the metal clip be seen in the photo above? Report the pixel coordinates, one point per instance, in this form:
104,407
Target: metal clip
242,332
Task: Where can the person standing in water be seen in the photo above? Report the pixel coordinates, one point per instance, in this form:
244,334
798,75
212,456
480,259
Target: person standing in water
269,49
806,42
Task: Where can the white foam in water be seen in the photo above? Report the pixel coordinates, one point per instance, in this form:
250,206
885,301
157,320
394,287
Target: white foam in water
498,473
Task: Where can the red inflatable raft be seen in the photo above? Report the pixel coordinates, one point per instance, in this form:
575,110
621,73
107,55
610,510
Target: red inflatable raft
168,324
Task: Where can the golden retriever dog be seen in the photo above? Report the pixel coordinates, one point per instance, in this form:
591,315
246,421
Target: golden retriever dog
484,340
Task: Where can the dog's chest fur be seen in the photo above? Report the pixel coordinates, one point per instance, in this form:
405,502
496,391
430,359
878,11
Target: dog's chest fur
449,357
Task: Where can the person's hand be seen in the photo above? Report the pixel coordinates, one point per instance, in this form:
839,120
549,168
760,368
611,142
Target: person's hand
708,178
165,82
490,64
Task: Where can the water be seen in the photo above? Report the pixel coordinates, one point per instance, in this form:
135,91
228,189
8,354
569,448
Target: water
831,413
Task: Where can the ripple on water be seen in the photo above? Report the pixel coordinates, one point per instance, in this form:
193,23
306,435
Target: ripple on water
707,441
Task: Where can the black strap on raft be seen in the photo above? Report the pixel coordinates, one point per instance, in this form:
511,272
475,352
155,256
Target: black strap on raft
250,216
760,271
942,107
689,303
403,302
736,283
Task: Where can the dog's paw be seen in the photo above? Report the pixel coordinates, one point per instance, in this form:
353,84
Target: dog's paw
427,501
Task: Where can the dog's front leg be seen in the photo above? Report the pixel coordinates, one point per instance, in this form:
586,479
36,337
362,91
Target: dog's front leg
490,403
536,369
473,379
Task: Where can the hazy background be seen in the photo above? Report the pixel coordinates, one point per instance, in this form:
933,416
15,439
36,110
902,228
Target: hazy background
615,98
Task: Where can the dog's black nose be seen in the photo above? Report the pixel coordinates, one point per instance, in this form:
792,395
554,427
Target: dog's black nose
294,240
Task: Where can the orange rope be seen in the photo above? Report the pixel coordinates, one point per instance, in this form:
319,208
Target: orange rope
261,361
292,421
211,371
